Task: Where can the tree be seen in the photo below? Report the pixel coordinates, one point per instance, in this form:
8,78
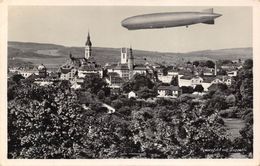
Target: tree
210,64
101,94
175,81
94,83
222,72
46,127
248,64
146,93
231,99
17,78
196,63
199,88
165,71
187,89
137,82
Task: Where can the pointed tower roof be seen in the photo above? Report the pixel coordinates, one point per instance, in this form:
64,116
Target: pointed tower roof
88,42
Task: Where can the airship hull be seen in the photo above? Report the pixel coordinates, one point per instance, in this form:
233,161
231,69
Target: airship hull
165,20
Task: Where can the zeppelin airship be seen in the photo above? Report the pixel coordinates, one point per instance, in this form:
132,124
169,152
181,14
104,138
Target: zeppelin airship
171,19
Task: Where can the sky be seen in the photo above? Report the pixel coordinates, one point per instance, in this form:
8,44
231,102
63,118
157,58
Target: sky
69,25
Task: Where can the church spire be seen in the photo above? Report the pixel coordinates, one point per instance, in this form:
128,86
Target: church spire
88,48
88,42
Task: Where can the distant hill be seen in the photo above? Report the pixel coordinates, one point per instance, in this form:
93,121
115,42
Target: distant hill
231,54
54,55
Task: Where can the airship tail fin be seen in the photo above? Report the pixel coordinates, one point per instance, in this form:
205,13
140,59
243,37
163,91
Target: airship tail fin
208,10
209,22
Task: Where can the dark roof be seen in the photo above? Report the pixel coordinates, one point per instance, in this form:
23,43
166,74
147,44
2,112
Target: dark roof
187,77
139,67
208,79
77,61
184,72
88,68
172,88
122,67
112,66
173,70
117,79
65,70
113,74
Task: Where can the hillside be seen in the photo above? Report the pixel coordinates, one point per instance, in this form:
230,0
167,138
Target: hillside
54,55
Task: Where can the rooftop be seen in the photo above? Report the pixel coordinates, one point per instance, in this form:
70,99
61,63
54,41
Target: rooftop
171,87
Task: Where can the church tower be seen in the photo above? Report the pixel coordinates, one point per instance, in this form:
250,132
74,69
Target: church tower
88,46
124,55
131,63
131,59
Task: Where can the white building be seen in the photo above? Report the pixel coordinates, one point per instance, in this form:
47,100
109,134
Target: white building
132,94
168,91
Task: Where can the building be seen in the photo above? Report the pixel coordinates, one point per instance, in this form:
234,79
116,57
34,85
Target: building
114,80
222,80
42,70
132,94
232,73
24,71
168,91
127,68
165,79
80,66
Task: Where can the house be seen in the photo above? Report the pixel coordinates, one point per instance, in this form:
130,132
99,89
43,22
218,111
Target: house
165,79
43,82
185,80
192,81
25,72
168,91
75,86
173,72
89,69
207,81
232,73
222,80
227,80
196,80
122,70
67,72
114,80
77,83
208,72
139,69
132,94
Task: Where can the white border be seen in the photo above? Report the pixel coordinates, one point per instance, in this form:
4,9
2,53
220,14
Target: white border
129,162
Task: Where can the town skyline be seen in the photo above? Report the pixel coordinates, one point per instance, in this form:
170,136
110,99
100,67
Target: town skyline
196,37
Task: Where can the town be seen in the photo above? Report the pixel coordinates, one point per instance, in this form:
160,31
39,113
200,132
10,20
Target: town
130,109
196,77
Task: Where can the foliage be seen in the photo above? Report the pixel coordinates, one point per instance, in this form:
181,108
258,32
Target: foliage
137,82
146,93
175,81
50,122
248,64
187,89
44,123
198,88
94,83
